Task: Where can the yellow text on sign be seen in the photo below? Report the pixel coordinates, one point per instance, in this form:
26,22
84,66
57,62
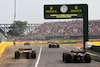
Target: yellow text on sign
51,11
79,10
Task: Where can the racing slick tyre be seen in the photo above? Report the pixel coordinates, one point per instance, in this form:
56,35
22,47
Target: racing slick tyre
17,54
63,57
33,54
57,46
49,45
87,58
67,58
24,43
27,55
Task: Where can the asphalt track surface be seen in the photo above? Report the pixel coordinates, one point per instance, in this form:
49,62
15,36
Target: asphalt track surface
46,57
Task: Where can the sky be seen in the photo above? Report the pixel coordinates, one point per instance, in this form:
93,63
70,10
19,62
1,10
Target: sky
32,11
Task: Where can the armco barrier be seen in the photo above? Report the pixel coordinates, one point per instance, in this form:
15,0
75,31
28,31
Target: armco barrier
60,41
33,42
79,40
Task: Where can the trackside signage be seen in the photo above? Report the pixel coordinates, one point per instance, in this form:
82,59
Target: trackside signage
69,11
64,11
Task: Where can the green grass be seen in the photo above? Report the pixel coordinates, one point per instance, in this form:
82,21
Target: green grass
96,48
96,58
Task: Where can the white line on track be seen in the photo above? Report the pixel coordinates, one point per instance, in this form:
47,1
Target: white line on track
70,50
95,62
86,52
65,48
37,62
93,54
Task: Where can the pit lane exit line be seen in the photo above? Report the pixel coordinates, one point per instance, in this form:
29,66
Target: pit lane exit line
65,48
37,62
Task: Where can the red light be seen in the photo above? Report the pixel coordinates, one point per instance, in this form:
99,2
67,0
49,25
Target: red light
81,54
76,53
72,55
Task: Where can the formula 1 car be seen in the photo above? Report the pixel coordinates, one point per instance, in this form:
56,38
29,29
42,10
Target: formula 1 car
54,45
27,52
76,56
27,43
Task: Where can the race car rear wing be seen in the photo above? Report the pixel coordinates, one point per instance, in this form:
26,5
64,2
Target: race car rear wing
25,48
78,51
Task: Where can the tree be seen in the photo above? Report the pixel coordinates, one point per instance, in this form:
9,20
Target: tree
17,28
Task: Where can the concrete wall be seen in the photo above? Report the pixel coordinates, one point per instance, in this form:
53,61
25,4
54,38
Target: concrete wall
2,38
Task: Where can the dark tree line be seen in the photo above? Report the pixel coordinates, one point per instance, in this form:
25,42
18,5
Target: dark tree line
17,28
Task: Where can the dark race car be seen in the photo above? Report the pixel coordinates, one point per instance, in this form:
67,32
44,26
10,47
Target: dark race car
54,45
27,52
76,56
27,43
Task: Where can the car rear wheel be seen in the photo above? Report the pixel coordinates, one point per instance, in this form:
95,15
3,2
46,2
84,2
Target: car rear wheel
87,58
57,46
68,58
63,57
33,54
17,54
49,45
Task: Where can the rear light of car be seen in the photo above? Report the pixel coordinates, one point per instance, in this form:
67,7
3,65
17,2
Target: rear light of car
55,44
28,49
72,54
75,53
81,54
25,51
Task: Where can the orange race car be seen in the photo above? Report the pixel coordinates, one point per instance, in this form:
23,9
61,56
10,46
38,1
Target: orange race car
27,52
